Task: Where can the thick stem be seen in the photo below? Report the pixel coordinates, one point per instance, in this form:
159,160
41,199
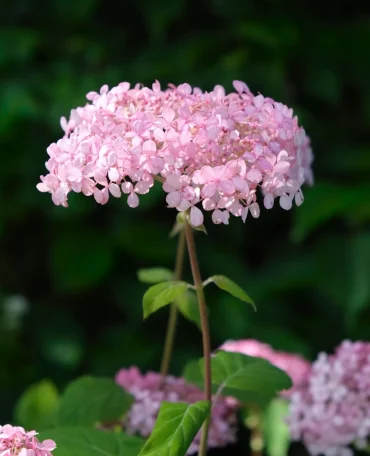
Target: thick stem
172,320
205,331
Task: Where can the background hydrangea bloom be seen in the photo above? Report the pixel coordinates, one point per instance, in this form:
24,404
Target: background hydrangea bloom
15,441
211,150
151,389
332,410
294,365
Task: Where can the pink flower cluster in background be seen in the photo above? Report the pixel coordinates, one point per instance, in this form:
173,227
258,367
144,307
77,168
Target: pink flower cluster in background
211,150
294,365
332,410
15,441
151,389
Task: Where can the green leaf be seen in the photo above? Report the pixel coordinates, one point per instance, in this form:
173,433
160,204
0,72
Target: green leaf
275,429
188,306
90,400
154,275
81,441
161,295
224,283
246,378
36,407
176,426
359,289
323,202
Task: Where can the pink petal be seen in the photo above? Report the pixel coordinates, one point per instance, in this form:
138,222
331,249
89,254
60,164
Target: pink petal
217,217
149,147
112,157
239,183
127,187
105,195
226,187
244,213
168,114
142,187
133,200
299,198
49,444
158,134
115,190
184,205
196,216
98,195
254,210
173,199
258,101
42,187
209,189
174,181
285,202
240,86
254,175
268,201
208,204
113,174
282,167
236,209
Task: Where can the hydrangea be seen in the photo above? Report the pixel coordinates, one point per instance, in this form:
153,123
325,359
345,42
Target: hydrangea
211,150
294,365
15,441
332,410
151,389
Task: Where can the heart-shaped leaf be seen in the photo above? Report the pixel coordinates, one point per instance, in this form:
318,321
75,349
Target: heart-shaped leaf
90,400
224,283
81,441
161,295
37,406
176,426
244,377
154,275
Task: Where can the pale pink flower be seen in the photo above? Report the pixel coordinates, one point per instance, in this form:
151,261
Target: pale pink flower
294,365
212,151
151,389
15,441
332,409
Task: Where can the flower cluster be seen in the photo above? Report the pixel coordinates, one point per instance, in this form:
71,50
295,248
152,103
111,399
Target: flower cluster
209,149
332,410
294,365
151,389
15,441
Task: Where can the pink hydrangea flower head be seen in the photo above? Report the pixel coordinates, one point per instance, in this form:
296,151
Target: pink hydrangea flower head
211,150
294,365
332,410
15,441
151,389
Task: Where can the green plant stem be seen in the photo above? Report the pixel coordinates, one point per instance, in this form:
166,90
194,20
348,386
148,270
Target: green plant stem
172,319
205,332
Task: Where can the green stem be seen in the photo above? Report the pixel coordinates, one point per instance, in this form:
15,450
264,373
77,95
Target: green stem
254,423
205,332
172,319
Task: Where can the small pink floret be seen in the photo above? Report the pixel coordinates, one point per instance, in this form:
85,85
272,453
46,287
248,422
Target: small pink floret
15,441
151,389
332,409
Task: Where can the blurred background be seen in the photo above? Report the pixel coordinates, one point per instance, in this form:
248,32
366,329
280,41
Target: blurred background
70,302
